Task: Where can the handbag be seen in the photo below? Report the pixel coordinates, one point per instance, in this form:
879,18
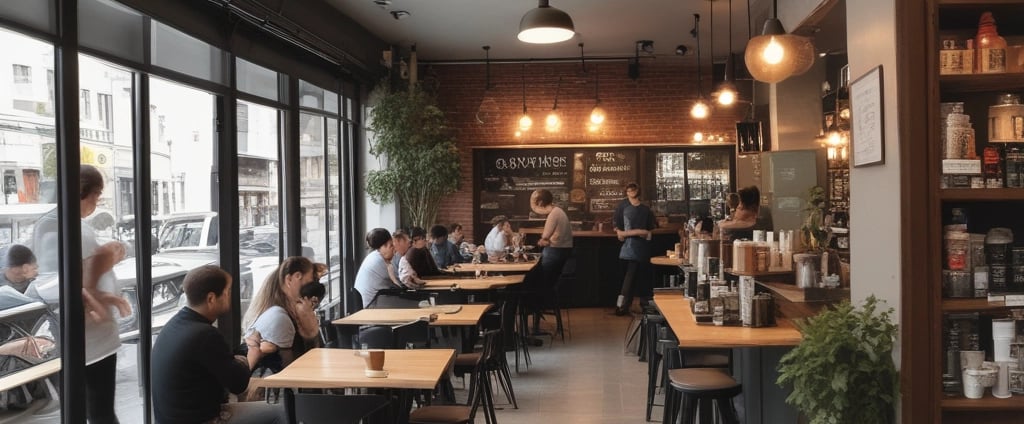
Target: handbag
21,352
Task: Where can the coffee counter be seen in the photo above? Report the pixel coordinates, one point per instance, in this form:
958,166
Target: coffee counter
676,310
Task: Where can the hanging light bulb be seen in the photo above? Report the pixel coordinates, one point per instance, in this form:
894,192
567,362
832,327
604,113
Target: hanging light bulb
553,122
698,137
597,115
726,94
524,121
700,109
775,55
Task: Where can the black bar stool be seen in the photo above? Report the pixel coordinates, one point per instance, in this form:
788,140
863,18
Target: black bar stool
694,390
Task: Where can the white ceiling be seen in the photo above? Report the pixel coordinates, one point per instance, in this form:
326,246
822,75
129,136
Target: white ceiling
458,29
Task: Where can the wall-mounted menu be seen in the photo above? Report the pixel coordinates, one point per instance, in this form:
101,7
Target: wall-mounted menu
583,181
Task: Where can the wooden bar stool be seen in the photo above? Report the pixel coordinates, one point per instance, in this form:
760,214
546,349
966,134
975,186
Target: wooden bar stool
696,390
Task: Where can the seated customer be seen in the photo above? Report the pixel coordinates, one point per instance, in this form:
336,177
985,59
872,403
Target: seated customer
415,264
402,244
743,220
281,324
193,365
445,253
21,268
498,238
375,273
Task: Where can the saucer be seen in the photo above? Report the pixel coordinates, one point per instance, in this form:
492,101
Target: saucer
376,373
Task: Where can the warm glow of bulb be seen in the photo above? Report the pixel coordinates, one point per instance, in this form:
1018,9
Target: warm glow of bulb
831,153
842,153
700,110
835,138
592,127
518,134
525,122
597,115
726,97
552,123
698,136
773,52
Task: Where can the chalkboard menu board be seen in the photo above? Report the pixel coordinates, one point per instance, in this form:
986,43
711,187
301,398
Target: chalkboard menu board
584,182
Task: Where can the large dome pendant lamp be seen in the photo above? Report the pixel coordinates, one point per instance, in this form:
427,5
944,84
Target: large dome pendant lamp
545,25
775,55
700,109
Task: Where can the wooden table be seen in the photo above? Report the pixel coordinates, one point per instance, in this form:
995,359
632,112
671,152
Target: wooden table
666,261
676,310
486,283
341,368
492,267
468,315
755,359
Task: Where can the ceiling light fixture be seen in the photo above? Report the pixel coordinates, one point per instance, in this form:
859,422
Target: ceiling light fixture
545,25
775,55
524,121
727,89
553,123
700,108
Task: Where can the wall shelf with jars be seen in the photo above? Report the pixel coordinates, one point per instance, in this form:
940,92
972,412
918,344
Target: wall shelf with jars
978,180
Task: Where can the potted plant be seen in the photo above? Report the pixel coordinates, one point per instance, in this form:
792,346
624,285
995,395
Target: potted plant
842,371
815,235
419,159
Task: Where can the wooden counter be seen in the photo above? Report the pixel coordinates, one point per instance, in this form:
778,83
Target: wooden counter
470,283
341,368
676,310
666,261
492,267
608,231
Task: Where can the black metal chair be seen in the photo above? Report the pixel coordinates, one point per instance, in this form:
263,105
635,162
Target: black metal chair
413,334
479,392
315,408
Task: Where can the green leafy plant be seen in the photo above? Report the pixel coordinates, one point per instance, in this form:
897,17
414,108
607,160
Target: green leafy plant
842,371
814,233
418,157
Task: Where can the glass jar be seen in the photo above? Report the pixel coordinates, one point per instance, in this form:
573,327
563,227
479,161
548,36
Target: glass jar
1006,120
990,47
959,137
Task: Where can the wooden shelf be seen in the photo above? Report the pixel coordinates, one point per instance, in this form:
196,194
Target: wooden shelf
982,194
973,305
757,274
1010,82
987,403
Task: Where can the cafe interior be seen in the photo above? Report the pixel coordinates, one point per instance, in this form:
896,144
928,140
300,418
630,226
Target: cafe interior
839,112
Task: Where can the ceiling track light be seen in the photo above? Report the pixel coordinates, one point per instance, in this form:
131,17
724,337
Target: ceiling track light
700,108
545,25
775,55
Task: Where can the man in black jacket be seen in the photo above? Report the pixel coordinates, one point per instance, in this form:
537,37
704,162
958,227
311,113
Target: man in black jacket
193,364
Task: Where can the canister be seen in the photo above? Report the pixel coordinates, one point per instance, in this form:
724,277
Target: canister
957,284
1006,120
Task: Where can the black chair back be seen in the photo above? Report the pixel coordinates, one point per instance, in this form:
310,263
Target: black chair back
414,334
315,408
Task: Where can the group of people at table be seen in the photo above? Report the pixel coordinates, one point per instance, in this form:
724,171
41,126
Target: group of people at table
194,367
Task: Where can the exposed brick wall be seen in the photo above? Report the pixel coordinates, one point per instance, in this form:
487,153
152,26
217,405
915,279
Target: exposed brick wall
654,109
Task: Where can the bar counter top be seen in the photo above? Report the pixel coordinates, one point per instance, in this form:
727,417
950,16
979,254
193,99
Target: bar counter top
608,232
676,310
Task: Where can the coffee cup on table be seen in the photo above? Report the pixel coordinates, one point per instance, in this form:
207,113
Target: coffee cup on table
374,362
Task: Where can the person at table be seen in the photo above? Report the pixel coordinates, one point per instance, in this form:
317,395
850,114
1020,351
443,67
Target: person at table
374,273
21,269
402,244
498,238
281,324
193,366
444,253
456,237
635,253
742,222
416,264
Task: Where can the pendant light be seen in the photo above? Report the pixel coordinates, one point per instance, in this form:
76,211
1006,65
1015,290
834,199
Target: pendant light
545,25
700,108
727,89
775,55
524,121
553,122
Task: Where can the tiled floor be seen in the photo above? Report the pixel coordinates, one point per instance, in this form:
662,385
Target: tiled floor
587,379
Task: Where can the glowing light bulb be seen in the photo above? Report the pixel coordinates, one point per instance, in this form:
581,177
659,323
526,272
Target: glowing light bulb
698,136
773,52
700,110
597,115
552,123
525,122
726,97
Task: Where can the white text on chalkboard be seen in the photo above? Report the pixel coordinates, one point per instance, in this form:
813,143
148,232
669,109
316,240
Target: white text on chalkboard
527,162
604,182
610,168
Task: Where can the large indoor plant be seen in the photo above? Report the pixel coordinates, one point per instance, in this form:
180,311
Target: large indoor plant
842,371
418,157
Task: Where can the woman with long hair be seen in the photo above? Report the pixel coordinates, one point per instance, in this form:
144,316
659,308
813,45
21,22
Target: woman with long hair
281,324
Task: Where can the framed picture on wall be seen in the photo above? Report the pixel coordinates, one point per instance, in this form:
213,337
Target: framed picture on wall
867,125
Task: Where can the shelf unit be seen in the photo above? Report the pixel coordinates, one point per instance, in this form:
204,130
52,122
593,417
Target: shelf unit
960,17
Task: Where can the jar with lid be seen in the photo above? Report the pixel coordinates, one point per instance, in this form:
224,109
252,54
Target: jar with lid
1014,161
990,47
959,137
946,108
1006,120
